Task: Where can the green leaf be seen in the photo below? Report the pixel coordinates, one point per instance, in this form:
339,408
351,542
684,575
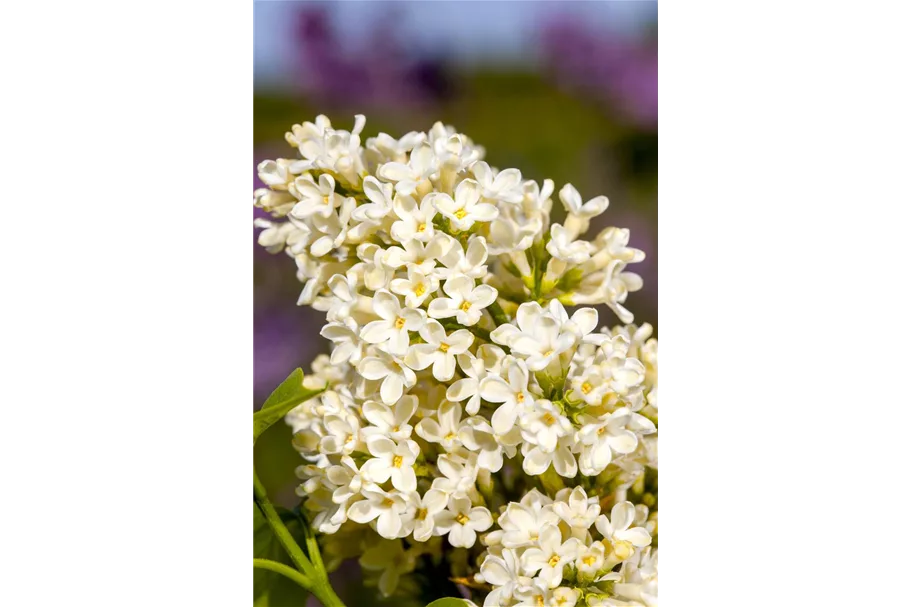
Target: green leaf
272,589
449,602
289,394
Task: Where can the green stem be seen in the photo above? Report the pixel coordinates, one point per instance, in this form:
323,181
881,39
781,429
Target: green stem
313,547
279,529
284,570
498,314
317,578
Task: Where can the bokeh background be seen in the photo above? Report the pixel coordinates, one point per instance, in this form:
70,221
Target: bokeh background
559,90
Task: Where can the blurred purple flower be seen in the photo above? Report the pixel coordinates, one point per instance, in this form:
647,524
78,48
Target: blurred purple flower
376,71
618,70
276,352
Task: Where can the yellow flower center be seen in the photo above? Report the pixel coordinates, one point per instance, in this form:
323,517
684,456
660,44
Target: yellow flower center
623,549
420,289
461,519
397,461
602,430
466,305
422,227
549,419
586,388
349,439
548,353
444,347
588,560
520,397
460,214
327,200
421,514
449,436
539,601
399,322
554,560
388,503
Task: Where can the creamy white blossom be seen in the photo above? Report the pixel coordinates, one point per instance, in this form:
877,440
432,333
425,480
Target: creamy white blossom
465,366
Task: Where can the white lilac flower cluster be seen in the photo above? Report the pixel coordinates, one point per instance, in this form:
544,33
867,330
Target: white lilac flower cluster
463,401
544,553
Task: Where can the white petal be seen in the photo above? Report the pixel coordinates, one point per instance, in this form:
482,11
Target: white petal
508,179
388,524
602,524
595,206
480,519
527,315
423,530
336,331
495,572
536,462
462,389
433,332
571,198
380,446
495,389
623,443
462,536
504,418
481,170
398,342
392,389
405,408
420,356
429,430
565,463
518,378
459,287
396,257
444,367
442,308
477,251
435,501
395,171
404,479
483,296
362,512
586,319
373,368
467,194
376,332
386,305
460,341
637,536
377,414
422,158
321,246
484,212
550,538
505,334
450,414
491,460
622,515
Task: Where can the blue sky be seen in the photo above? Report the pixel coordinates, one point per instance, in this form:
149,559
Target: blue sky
466,32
